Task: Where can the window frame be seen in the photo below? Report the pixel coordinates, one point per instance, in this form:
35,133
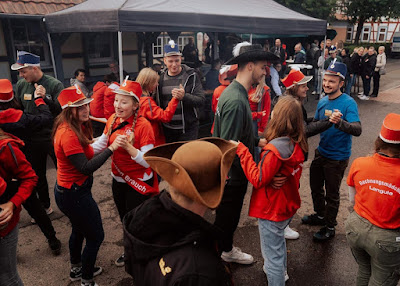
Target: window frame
183,40
351,32
364,32
100,60
380,33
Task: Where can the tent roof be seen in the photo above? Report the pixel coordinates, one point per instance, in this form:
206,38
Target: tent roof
250,16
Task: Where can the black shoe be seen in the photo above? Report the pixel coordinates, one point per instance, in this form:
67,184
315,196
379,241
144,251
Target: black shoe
76,272
313,219
55,245
373,95
324,233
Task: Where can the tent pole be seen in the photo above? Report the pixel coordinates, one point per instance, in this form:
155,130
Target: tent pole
52,55
121,63
251,38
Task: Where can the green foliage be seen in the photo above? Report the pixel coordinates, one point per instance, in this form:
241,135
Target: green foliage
322,9
370,9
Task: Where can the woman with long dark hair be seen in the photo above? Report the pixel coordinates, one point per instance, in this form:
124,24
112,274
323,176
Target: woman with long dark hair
72,136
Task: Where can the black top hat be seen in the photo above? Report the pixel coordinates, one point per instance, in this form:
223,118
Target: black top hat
252,53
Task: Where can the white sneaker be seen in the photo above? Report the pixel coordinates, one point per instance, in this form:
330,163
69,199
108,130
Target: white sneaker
291,234
364,97
236,255
361,93
286,276
314,92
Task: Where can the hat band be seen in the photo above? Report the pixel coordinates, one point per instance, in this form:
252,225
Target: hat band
69,103
388,140
7,100
27,65
335,73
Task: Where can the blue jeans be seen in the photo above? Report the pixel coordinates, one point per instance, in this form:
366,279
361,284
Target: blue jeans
366,85
79,206
8,260
273,248
349,83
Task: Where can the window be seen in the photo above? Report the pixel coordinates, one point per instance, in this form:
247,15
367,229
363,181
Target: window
349,34
382,34
100,48
163,39
27,36
365,34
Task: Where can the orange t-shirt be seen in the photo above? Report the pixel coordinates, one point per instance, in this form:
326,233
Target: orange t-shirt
143,136
66,143
377,183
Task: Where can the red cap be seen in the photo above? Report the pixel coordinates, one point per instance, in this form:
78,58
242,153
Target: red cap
6,90
295,77
130,88
72,97
390,131
227,73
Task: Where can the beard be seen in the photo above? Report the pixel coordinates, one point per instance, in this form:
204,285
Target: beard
333,91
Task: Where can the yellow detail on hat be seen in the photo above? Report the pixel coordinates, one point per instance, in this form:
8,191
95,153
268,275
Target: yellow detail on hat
164,270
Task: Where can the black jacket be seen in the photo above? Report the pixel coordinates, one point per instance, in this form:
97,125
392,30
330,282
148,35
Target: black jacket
280,52
368,65
166,244
24,125
355,64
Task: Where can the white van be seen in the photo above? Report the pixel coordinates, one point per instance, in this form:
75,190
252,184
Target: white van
396,44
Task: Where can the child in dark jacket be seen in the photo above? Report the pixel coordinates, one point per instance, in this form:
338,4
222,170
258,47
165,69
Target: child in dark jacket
274,208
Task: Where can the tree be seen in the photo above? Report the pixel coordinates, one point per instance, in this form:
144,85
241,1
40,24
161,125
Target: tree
321,9
359,11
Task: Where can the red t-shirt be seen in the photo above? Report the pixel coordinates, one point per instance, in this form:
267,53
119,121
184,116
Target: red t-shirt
143,136
66,143
377,183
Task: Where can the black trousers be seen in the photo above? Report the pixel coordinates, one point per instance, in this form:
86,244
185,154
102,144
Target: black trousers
37,212
36,153
324,171
228,214
376,78
126,198
172,135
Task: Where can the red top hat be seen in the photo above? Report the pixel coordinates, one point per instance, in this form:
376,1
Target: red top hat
130,88
6,90
295,77
390,131
72,97
227,73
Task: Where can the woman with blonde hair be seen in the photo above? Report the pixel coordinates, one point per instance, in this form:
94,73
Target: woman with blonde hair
72,136
284,154
133,179
380,69
148,79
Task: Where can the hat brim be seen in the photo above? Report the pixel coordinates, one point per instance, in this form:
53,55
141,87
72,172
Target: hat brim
172,54
124,92
78,103
334,73
159,159
252,56
306,79
17,66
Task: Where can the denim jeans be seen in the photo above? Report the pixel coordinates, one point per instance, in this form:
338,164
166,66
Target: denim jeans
366,84
376,251
349,83
273,248
8,260
79,206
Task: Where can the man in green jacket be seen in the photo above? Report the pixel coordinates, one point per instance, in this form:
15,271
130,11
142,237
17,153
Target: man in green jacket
233,121
34,83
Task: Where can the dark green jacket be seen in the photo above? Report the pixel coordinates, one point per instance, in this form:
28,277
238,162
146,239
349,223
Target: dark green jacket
25,95
233,121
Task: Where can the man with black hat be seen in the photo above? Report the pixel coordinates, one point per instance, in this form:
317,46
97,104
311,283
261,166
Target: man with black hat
182,82
233,121
34,83
167,240
333,152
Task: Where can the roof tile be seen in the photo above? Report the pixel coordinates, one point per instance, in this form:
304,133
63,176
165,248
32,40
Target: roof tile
35,7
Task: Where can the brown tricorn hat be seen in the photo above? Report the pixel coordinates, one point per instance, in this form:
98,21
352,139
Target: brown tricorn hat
196,169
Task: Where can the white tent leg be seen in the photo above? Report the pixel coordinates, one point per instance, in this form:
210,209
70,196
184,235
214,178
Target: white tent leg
52,55
121,63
